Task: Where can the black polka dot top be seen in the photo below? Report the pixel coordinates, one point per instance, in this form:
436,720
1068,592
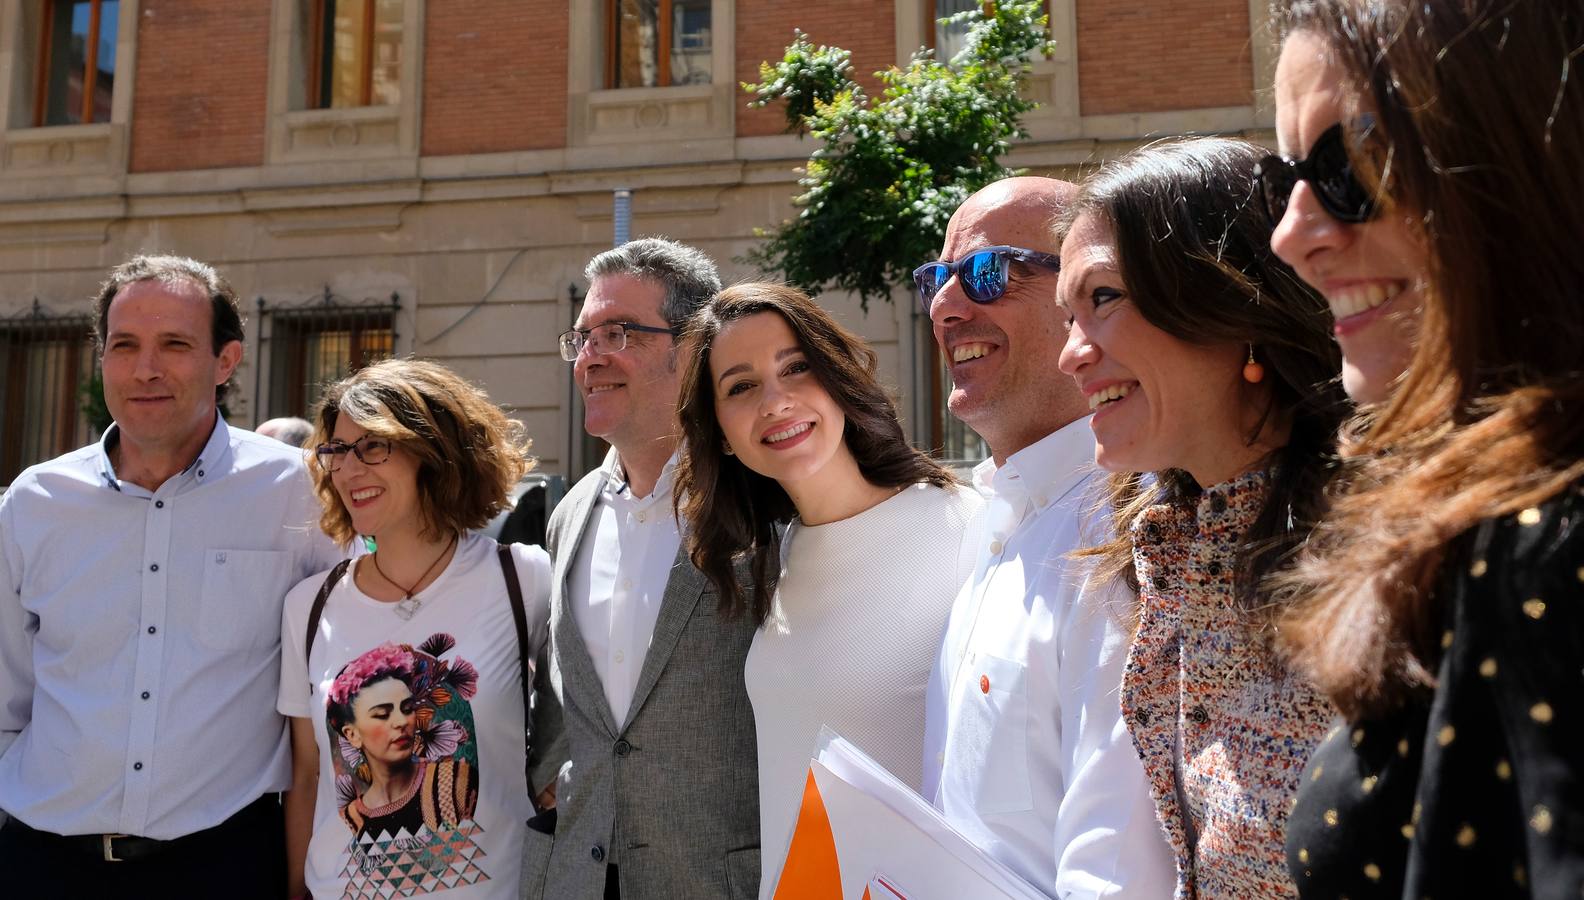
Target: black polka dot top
1479,790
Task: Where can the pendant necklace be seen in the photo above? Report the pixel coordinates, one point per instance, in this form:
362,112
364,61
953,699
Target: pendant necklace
408,605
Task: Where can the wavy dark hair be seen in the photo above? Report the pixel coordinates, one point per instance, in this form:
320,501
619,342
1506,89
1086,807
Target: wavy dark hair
734,513
1194,250
469,453
1479,133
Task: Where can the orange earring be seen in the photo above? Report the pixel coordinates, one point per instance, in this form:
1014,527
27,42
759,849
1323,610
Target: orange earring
1253,372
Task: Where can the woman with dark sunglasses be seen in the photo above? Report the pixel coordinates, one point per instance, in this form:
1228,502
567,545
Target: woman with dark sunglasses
1213,378
785,424
404,671
1439,605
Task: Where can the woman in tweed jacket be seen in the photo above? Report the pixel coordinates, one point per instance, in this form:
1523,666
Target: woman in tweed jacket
1212,373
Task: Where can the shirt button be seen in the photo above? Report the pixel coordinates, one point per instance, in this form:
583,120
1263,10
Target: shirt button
1218,503
152,629
995,547
1142,718
1198,715
642,518
619,657
626,584
153,567
984,684
159,504
145,695
200,473
137,767
598,853
623,748
1214,570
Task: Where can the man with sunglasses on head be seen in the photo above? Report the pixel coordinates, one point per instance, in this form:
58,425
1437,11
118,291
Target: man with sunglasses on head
141,581
661,798
1025,750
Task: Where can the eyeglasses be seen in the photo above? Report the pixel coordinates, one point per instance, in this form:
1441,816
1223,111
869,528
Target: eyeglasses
608,338
982,273
1327,169
370,451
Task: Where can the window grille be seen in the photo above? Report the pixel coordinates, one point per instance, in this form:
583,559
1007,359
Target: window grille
49,386
315,343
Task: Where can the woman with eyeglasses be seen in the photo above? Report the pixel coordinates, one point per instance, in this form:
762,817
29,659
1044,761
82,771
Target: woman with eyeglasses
405,671
1213,378
1438,205
785,424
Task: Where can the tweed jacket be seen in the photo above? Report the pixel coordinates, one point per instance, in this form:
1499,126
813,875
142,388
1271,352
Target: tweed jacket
671,796
1200,670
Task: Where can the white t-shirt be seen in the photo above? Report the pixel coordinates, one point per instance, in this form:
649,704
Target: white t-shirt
421,784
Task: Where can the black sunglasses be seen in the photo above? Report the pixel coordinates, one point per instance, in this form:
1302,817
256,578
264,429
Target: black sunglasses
1327,169
982,273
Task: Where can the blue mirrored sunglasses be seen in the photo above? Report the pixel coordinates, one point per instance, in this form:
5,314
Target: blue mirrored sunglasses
982,273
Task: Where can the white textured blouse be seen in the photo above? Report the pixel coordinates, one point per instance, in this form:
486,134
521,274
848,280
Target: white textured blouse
854,629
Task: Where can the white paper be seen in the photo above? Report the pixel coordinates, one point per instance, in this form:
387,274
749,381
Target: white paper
883,828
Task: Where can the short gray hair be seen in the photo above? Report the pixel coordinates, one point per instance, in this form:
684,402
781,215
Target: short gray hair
291,430
687,274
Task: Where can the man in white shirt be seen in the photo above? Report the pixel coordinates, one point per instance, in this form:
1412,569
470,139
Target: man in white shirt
141,581
1025,749
661,797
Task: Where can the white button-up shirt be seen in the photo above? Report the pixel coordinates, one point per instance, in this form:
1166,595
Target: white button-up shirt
140,636
619,577
1025,749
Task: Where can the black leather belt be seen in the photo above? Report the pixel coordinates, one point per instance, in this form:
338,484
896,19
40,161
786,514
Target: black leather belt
130,847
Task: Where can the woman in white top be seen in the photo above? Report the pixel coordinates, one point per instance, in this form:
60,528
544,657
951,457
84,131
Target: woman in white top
403,672
784,421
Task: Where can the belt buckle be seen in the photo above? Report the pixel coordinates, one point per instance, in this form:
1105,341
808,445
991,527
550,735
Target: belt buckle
109,847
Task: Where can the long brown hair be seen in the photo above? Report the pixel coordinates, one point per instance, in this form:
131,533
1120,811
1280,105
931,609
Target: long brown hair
733,512
1194,252
1483,131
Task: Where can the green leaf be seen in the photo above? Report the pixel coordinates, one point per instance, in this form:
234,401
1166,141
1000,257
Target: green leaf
888,172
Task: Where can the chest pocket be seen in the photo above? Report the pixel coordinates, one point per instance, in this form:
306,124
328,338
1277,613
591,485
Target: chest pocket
240,605
993,730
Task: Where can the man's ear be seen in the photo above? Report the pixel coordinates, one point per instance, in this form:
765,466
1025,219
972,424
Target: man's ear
230,356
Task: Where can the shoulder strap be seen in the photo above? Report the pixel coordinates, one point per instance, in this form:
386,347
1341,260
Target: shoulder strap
520,619
317,610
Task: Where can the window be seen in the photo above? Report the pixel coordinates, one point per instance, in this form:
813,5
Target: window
76,62
47,363
354,53
954,441
319,343
654,43
948,40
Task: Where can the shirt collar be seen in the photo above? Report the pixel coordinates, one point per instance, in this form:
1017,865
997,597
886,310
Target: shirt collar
208,464
616,478
1048,468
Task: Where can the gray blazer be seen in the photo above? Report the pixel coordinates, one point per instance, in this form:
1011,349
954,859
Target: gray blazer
671,796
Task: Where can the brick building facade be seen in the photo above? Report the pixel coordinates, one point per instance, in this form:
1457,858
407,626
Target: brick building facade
429,177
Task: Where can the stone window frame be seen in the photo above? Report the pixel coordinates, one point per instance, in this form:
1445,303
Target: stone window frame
296,134
615,118
52,160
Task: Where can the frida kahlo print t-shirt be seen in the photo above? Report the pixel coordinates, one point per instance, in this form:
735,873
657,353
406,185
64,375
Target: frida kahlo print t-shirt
419,723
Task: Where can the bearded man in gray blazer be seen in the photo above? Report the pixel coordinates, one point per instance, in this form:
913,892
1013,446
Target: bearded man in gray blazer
661,798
